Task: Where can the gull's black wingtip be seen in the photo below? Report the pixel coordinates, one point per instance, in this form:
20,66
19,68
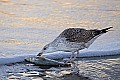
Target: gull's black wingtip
106,29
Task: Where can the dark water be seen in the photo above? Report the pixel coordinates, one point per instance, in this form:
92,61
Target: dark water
27,25
104,68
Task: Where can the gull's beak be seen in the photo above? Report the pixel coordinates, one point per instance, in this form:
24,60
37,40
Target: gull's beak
40,54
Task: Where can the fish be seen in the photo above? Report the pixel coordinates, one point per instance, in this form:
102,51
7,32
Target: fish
42,61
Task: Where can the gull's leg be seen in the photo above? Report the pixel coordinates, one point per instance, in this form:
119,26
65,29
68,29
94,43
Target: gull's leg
77,53
75,56
72,56
75,64
71,59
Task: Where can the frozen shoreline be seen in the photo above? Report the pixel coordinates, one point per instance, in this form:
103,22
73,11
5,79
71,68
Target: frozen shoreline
60,55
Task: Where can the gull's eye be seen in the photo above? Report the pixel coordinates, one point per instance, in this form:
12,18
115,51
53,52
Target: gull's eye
44,48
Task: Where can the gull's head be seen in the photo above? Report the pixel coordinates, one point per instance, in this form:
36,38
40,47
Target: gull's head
47,49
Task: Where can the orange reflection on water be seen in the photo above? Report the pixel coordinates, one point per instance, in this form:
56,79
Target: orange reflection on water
12,42
73,4
116,13
7,12
60,20
5,1
29,44
31,19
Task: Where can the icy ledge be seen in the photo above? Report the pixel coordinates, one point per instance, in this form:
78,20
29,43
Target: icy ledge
60,55
82,54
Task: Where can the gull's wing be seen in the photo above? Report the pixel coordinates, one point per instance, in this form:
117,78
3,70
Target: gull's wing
77,35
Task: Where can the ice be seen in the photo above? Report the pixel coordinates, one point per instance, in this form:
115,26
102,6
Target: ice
13,59
60,55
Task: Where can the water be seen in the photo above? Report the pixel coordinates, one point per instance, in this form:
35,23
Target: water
27,25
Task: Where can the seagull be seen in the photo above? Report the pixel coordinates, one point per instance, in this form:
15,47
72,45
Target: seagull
73,40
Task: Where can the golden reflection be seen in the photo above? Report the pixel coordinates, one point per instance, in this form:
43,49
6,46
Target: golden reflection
5,1
31,19
84,6
7,12
63,2
72,4
67,4
60,20
36,4
56,11
92,0
12,42
116,13
1,22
